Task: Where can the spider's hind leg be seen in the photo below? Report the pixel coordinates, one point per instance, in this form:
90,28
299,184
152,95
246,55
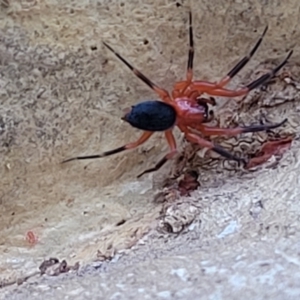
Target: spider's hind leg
171,141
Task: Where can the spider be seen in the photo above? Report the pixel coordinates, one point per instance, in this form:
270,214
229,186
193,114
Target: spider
186,109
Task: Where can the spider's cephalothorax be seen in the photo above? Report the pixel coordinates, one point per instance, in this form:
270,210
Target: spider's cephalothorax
190,112
186,108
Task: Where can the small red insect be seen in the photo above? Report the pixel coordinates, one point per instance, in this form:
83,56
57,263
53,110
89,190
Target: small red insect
186,108
31,238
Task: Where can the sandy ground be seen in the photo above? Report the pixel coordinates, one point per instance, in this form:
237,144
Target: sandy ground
62,94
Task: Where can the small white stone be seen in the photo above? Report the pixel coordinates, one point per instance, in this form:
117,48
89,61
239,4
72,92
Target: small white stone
164,294
181,273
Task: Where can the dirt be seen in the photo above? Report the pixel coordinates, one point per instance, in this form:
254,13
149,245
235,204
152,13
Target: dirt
62,95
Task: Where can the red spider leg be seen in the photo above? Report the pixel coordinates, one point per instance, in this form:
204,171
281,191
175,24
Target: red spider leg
193,95
189,74
238,67
172,143
145,136
214,90
161,92
194,138
206,130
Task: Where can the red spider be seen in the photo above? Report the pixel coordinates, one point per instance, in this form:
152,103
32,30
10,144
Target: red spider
186,109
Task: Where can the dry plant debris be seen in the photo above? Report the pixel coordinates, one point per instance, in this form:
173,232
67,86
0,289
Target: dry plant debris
175,188
54,267
50,267
270,148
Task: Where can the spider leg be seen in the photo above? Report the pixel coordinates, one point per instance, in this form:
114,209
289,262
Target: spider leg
194,138
171,141
161,92
238,67
189,75
145,136
206,130
182,86
214,90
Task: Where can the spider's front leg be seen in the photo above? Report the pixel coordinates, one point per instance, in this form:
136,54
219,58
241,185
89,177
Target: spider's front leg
180,91
184,87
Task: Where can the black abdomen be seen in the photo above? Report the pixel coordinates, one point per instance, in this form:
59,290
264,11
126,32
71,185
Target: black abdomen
152,116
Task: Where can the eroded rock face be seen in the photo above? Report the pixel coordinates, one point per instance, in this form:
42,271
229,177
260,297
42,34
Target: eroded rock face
62,94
